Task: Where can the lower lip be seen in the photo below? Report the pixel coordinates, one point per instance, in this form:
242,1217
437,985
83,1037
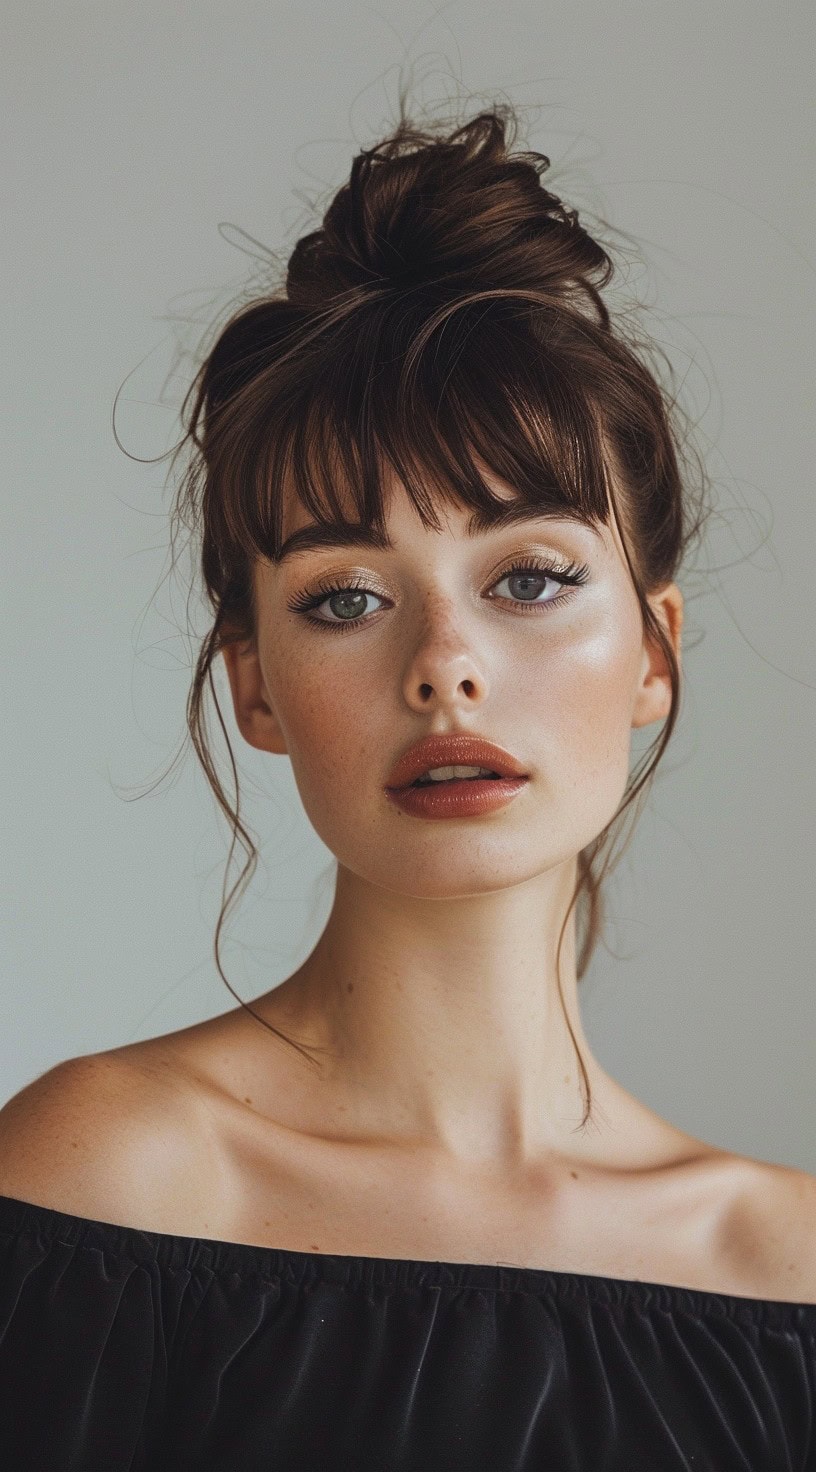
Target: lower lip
462,799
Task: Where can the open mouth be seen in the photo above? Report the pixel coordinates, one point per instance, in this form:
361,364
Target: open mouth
446,781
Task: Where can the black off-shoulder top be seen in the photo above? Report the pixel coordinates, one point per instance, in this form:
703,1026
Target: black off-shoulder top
123,1350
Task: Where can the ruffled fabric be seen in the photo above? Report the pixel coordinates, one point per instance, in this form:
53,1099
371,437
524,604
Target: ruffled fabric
123,1350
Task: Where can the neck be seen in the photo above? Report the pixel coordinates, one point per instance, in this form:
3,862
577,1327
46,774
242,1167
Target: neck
439,1021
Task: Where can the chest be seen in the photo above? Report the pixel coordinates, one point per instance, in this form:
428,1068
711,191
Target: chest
706,1219
320,1197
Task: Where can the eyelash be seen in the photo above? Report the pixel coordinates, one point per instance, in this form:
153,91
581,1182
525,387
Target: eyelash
571,575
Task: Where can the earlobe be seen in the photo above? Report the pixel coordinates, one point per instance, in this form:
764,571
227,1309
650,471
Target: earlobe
253,714
653,699
654,695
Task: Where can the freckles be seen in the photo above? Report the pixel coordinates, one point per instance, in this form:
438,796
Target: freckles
319,715
329,721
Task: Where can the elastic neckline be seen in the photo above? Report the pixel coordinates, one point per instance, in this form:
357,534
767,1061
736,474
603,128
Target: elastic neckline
214,1255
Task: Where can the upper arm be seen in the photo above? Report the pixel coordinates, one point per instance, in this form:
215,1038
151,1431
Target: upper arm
97,1137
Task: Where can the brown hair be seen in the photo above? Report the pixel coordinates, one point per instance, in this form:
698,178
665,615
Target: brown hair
447,304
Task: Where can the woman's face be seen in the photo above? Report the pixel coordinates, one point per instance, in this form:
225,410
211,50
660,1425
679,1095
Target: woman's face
446,642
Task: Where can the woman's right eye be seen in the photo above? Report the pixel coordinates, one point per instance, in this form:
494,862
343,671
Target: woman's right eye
351,597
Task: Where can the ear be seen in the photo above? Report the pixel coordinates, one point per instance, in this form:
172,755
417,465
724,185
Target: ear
253,713
653,698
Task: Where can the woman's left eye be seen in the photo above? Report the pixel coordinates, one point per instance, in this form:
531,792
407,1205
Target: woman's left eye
527,579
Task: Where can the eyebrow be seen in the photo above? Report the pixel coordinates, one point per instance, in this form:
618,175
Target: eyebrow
322,536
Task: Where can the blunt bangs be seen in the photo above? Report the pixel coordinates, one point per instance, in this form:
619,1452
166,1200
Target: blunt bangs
428,396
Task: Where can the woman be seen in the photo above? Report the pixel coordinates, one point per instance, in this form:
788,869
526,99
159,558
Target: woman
395,1214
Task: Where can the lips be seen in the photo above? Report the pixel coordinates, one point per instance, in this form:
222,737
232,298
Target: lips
455,749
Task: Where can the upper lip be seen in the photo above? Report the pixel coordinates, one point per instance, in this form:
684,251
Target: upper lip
455,749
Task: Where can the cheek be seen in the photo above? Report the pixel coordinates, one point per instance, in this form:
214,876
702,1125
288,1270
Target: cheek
574,712
326,713
589,687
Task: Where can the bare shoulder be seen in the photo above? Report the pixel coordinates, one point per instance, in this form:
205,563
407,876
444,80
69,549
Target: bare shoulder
771,1229
107,1135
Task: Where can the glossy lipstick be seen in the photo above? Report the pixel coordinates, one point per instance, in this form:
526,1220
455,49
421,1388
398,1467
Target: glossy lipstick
459,798
463,799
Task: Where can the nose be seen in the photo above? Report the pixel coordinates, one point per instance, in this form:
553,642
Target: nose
444,675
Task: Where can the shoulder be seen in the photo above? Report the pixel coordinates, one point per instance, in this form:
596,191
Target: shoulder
105,1135
771,1229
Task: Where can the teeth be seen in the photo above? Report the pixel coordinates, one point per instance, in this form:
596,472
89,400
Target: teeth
447,774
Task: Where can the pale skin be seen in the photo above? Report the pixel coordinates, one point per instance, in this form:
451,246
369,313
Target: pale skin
445,1111
433,986
442,1120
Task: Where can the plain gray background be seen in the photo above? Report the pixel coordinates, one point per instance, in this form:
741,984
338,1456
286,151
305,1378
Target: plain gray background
133,132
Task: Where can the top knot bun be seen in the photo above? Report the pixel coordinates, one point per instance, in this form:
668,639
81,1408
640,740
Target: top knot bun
457,211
